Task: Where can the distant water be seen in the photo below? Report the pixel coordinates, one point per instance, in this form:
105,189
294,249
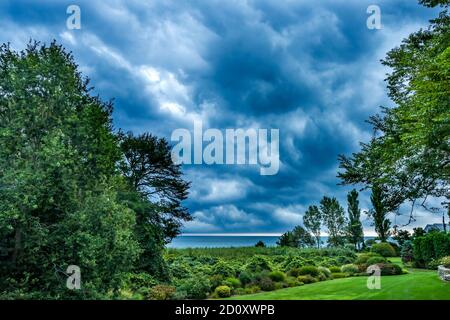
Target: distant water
221,241
213,241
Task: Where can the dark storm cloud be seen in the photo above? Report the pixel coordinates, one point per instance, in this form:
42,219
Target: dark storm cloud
309,68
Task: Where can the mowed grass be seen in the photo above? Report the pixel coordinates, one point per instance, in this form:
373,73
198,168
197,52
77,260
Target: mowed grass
418,284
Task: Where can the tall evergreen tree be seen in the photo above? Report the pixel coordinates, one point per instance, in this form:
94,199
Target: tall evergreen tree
379,213
312,221
354,229
334,219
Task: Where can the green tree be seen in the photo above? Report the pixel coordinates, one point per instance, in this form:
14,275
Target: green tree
63,200
297,238
149,170
409,156
312,220
379,213
354,229
334,219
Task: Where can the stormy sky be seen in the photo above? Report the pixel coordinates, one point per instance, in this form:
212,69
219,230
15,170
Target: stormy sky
308,68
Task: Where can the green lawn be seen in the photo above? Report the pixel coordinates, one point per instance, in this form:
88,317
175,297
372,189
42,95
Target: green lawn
418,284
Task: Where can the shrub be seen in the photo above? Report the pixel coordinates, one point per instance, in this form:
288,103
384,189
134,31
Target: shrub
223,268
383,249
407,251
232,282
350,269
292,282
306,279
445,261
294,272
335,269
266,284
277,276
338,275
293,263
252,289
345,259
223,291
362,258
434,245
162,292
245,277
375,260
325,271
396,248
215,280
309,270
195,288
434,264
389,269
258,263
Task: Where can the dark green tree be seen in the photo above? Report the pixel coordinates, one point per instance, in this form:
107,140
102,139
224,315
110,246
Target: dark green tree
401,236
354,229
297,238
334,219
312,220
149,170
378,213
58,180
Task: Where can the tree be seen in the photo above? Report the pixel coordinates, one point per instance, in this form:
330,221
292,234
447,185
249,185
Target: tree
409,155
379,213
297,238
58,180
354,228
312,221
334,220
260,244
287,240
401,236
149,170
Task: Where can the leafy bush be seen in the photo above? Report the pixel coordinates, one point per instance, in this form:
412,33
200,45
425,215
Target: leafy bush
363,257
445,261
195,288
375,260
252,289
258,263
162,292
292,282
245,277
434,264
232,282
406,252
339,275
223,291
215,280
277,276
350,268
295,272
325,271
383,249
306,279
223,268
335,269
434,245
309,270
345,259
389,269
266,284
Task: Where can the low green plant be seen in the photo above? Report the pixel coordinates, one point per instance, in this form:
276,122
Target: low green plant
306,279
350,269
339,275
445,261
325,271
309,270
277,276
222,291
375,260
266,284
383,249
232,282
335,269
162,292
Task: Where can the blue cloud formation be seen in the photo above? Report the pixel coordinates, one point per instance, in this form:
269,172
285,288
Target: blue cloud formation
310,69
